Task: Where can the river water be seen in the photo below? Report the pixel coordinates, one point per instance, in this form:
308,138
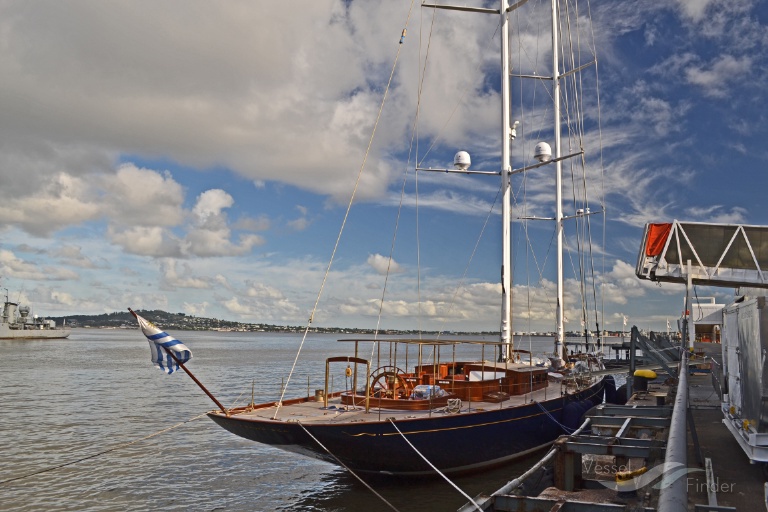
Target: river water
69,400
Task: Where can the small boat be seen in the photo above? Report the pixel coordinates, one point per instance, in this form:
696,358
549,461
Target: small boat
16,324
416,406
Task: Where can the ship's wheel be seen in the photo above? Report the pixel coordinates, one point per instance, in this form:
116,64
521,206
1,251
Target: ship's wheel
390,382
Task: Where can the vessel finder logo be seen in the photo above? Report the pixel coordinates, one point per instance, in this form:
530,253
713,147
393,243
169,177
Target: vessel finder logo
666,474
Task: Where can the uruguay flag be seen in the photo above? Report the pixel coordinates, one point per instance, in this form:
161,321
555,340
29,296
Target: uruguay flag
158,342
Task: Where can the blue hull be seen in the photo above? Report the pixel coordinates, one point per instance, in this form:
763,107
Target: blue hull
454,443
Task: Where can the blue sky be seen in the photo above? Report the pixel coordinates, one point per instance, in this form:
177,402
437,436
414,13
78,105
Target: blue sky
198,157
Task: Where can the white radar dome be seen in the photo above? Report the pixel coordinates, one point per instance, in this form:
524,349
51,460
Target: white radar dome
462,160
542,152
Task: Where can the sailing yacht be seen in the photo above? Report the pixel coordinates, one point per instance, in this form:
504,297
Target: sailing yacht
427,406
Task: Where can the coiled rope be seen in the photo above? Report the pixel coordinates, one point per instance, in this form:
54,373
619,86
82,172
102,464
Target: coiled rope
114,448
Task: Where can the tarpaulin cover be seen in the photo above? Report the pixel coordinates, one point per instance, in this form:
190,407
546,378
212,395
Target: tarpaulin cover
657,238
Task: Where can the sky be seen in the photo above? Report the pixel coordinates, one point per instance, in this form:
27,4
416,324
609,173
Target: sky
199,157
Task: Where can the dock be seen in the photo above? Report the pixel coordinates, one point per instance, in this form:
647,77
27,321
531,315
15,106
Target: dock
667,449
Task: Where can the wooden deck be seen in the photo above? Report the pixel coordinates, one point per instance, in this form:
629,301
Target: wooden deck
310,410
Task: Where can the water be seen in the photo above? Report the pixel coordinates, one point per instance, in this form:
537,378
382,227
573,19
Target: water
63,400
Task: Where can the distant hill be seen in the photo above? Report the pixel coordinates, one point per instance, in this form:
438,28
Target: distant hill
161,318
181,321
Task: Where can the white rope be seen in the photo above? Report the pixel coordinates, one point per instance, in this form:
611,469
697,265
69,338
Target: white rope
567,430
382,498
437,470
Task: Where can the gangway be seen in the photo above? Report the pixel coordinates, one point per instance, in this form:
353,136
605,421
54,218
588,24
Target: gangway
730,255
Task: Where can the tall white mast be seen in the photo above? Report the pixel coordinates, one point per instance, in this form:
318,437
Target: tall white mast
462,162
506,168
560,334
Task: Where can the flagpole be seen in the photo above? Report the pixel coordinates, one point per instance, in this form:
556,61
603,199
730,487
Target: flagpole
200,384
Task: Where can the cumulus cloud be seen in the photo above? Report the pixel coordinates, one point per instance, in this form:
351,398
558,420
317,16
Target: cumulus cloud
53,203
195,309
211,235
172,278
263,302
141,196
383,264
73,255
146,241
210,205
262,291
13,267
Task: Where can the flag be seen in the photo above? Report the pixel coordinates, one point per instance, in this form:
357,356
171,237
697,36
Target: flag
667,323
625,320
161,340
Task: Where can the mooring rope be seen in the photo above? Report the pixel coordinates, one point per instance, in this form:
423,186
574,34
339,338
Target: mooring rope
382,498
567,430
114,448
437,470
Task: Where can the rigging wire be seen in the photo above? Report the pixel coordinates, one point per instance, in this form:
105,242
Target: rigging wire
346,214
530,252
575,129
420,159
602,168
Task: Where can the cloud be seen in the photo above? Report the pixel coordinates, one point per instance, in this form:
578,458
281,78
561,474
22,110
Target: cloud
694,9
56,202
299,224
195,309
717,214
211,235
172,278
262,291
73,255
13,267
146,241
262,303
716,78
138,196
383,265
210,205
